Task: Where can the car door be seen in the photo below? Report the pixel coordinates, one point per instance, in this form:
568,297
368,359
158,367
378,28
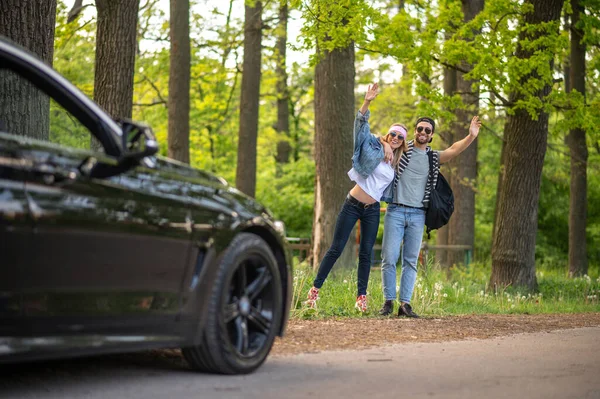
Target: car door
104,247
100,257
15,231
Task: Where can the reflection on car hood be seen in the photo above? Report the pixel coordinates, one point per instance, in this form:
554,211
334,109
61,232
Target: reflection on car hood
223,188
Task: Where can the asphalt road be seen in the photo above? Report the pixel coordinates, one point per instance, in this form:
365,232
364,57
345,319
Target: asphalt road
560,364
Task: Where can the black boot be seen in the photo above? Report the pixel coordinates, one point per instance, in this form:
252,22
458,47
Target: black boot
406,310
387,308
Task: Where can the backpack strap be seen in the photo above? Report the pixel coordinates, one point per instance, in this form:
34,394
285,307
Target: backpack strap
430,156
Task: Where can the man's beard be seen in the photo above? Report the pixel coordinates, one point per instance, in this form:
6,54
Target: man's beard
421,139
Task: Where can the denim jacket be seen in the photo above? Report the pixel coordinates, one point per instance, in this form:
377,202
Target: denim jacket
368,151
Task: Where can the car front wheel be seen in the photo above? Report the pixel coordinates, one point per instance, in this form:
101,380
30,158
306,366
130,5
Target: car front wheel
244,313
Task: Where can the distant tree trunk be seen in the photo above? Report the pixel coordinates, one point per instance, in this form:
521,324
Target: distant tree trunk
115,57
462,224
179,82
24,109
246,163
513,248
284,148
578,263
334,116
566,62
447,137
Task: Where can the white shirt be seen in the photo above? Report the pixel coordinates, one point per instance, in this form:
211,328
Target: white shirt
375,184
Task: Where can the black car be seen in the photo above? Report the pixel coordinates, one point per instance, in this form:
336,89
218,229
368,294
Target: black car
120,250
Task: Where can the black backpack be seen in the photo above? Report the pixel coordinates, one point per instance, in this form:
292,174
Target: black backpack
441,202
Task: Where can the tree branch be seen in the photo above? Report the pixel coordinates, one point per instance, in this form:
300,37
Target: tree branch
156,90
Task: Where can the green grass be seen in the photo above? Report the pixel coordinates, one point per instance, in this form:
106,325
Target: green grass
463,291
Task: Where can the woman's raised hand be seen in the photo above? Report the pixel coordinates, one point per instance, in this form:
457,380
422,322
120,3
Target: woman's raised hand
372,92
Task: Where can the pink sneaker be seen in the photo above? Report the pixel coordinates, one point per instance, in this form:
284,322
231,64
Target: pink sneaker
361,303
312,297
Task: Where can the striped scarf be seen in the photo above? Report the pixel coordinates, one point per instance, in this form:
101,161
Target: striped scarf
433,174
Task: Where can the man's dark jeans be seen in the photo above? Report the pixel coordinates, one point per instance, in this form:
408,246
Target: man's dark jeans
369,224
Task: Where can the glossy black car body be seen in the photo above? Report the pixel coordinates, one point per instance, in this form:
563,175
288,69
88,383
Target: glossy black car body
121,250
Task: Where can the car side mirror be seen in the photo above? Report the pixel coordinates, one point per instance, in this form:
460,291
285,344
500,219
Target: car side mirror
138,142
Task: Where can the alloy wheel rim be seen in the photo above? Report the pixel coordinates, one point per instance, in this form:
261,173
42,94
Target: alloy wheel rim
248,311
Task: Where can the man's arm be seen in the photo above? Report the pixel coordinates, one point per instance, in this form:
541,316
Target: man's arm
458,147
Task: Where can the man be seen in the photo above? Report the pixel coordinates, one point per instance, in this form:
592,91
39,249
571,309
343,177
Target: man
408,197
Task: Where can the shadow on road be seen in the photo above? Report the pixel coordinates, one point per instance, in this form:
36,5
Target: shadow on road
91,369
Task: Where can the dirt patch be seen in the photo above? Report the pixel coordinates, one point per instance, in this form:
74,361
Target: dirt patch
309,336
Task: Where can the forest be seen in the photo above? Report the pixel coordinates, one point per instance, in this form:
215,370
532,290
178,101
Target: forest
265,94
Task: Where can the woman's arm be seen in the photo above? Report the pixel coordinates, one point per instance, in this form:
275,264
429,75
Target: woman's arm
361,124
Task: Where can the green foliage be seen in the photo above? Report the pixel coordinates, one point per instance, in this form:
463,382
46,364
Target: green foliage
424,38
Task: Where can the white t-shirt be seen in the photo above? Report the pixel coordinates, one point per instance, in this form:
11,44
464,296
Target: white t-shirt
375,184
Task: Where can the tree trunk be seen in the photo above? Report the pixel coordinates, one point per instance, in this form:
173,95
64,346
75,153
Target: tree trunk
25,110
513,248
115,57
284,148
179,82
578,263
462,224
447,137
334,116
246,163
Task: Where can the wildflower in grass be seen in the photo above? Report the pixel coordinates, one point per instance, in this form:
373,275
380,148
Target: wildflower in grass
481,293
523,297
446,295
398,288
587,278
509,300
438,286
512,306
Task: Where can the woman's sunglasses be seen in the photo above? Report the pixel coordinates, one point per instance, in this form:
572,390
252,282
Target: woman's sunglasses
394,134
427,130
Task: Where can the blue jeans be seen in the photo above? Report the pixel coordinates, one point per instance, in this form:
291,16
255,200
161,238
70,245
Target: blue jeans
401,224
369,224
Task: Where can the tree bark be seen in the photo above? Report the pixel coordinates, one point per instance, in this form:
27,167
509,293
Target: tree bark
24,109
462,224
115,57
179,82
578,262
334,116
448,137
513,248
284,148
248,132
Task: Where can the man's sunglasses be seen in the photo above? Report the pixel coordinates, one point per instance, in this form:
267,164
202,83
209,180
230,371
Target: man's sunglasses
427,130
394,134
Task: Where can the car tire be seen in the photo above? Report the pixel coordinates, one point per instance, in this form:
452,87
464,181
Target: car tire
244,310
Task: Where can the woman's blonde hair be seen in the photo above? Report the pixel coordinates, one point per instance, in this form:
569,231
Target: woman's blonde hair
400,150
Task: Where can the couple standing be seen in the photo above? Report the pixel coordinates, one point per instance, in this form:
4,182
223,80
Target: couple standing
393,170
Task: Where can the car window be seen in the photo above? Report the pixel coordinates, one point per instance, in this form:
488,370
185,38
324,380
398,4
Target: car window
27,111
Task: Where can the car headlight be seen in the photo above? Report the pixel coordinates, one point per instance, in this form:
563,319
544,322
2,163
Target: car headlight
279,226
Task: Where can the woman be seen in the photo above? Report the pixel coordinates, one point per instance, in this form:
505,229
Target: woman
373,165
